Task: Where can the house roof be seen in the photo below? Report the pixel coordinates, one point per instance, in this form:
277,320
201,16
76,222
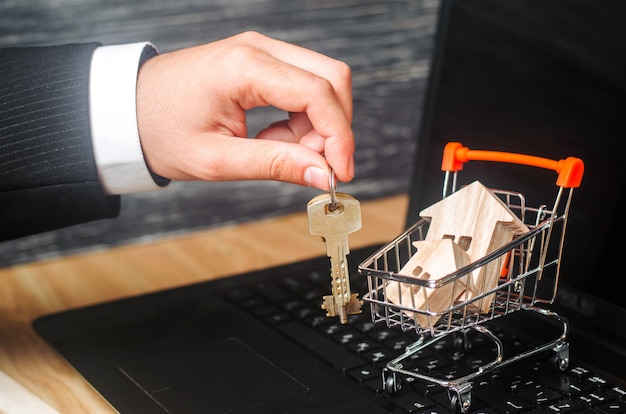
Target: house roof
475,218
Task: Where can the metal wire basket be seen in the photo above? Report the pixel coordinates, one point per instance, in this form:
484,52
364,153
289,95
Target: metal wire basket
527,274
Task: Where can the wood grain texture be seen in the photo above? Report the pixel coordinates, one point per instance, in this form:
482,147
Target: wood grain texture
433,260
475,217
388,45
32,290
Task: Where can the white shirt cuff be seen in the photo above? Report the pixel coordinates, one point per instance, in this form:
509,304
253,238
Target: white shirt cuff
115,137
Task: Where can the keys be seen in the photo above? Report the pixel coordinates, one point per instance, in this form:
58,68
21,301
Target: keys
333,217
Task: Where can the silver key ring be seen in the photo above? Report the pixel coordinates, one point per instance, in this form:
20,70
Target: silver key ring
332,183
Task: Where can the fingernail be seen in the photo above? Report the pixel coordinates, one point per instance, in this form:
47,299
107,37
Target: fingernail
351,167
316,177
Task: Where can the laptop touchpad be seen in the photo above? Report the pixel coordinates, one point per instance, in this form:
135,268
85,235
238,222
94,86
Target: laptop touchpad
222,376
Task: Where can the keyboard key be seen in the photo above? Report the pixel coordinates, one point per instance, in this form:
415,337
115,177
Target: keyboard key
421,354
433,363
591,399
539,394
451,372
375,385
364,326
564,407
332,328
276,318
265,310
295,284
618,392
398,344
318,278
563,383
346,337
502,400
612,407
412,402
378,357
252,302
433,410
427,387
538,411
366,373
443,400
596,381
316,320
382,335
272,293
314,296
514,383
334,354
292,304
238,294
475,360
304,313
363,345
579,372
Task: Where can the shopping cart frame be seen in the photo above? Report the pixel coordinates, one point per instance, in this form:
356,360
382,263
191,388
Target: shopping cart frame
520,287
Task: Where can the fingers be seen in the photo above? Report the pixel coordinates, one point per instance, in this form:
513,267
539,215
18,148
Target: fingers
335,71
296,79
297,129
223,158
297,90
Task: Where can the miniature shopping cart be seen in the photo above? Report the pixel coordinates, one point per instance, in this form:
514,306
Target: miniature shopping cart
527,278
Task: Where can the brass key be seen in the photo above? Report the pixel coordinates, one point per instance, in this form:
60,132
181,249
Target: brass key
333,217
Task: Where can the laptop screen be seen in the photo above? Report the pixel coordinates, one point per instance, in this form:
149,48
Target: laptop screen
539,77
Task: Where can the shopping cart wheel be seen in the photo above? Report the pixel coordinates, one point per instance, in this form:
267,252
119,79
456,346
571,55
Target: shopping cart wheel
561,363
455,404
460,398
392,384
560,360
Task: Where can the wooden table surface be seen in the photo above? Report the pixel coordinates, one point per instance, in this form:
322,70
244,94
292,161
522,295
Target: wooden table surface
32,290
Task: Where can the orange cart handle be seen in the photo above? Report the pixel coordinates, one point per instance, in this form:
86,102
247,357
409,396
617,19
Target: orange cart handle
570,169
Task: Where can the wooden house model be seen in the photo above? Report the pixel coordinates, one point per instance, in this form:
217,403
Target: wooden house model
478,222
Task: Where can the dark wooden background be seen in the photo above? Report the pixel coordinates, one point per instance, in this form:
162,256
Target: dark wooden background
388,44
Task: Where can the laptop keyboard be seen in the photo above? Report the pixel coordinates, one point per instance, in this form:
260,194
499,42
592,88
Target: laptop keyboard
360,350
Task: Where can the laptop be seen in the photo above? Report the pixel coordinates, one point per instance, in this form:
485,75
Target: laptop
538,77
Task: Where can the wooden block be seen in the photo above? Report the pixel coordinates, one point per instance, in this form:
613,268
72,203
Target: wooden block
433,260
480,222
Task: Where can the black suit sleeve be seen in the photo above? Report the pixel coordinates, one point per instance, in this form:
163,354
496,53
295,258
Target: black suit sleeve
48,176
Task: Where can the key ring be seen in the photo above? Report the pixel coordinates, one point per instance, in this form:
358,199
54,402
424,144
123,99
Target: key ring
332,183
334,206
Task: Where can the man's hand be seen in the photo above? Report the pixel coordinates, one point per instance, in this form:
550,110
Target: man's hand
192,103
